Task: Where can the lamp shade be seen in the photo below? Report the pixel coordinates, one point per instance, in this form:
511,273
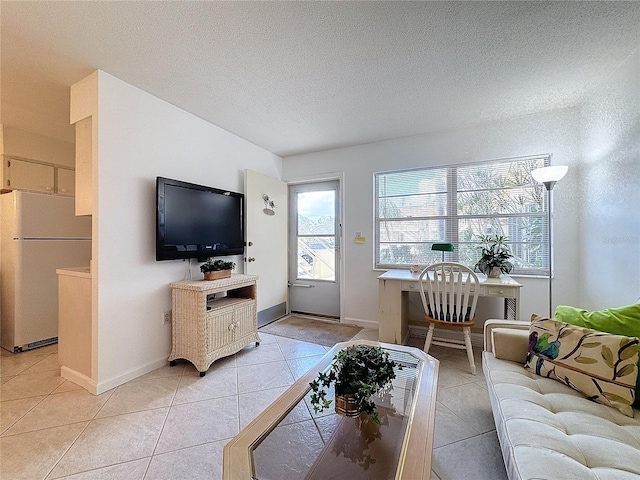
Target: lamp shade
549,174
442,247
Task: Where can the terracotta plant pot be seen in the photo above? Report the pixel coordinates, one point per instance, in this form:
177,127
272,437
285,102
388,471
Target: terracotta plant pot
217,275
347,406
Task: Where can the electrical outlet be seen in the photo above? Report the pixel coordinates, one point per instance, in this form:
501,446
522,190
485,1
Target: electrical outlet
166,317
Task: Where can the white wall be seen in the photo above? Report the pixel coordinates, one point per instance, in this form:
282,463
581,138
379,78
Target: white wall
554,133
37,147
141,137
610,217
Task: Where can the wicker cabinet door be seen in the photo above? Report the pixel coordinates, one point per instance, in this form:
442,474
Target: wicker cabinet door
245,319
221,330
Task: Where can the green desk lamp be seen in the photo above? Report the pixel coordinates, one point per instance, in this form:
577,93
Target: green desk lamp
442,247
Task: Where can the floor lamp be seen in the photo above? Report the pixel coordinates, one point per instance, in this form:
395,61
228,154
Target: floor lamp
549,176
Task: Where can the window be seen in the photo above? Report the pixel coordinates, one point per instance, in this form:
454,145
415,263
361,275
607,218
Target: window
457,203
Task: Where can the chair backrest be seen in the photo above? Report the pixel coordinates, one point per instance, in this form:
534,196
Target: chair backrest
449,292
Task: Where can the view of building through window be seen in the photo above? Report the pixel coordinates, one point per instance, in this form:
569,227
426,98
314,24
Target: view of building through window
457,203
316,235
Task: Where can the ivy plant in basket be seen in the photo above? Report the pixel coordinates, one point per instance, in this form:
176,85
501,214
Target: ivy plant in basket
216,269
357,372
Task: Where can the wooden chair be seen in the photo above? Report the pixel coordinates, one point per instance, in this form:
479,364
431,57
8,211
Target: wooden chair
449,293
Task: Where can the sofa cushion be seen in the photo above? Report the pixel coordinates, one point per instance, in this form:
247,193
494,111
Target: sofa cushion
600,365
619,321
548,430
510,344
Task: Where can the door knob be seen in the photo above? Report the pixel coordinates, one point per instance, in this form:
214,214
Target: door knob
251,259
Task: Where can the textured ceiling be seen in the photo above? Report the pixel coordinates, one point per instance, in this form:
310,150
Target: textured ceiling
295,77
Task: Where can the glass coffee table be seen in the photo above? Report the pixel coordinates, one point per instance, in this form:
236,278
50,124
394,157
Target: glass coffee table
289,441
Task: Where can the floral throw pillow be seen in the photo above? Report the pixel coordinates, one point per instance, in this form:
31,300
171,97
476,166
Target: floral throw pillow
600,365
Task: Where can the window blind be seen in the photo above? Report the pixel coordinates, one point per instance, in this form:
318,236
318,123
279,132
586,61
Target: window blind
457,203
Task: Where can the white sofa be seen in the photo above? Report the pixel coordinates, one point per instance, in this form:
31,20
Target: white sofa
546,429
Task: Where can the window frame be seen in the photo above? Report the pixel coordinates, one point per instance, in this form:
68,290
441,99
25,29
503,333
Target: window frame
452,218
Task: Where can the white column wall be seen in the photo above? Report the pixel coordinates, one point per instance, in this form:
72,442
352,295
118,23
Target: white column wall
141,137
555,133
610,217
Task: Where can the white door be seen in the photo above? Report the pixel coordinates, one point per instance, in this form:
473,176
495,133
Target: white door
314,249
266,234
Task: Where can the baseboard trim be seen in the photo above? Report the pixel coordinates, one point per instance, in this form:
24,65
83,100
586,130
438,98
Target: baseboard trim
118,380
477,339
272,314
358,322
79,379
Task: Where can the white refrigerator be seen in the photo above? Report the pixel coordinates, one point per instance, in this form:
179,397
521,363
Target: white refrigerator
40,233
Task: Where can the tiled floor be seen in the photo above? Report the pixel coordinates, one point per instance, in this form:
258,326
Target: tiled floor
172,424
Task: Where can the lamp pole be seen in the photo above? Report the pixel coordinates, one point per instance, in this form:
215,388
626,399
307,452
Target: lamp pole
549,176
549,187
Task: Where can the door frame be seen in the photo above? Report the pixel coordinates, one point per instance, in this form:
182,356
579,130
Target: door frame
329,176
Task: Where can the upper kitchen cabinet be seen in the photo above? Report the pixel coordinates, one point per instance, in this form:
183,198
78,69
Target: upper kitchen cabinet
66,182
84,114
20,174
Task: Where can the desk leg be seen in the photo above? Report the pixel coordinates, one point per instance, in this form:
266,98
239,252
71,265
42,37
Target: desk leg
392,321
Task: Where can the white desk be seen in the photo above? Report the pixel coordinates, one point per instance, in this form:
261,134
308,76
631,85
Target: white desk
394,286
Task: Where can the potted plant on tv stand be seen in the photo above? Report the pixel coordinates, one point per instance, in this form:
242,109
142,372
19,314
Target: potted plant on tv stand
216,269
358,372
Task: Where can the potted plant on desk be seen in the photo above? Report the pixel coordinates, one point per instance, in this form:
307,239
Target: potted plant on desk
216,269
495,256
358,372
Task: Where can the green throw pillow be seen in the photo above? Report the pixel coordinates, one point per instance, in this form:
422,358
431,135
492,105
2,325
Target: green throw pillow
619,321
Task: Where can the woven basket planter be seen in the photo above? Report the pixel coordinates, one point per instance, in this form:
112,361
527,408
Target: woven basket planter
347,406
217,275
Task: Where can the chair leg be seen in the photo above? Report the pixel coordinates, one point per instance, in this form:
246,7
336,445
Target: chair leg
427,343
467,341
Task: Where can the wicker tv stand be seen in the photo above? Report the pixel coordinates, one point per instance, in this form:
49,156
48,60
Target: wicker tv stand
205,328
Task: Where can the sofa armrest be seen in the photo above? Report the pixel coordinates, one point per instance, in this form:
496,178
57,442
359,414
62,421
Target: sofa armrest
492,324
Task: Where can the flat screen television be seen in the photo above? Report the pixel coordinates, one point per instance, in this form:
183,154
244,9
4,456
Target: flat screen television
194,221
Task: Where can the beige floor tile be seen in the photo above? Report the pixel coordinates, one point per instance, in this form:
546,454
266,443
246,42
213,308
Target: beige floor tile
12,410
30,385
471,403
450,428
215,384
112,440
449,377
50,362
202,461
60,409
300,366
164,371
252,355
297,349
134,470
251,405
196,423
267,338
367,334
138,396
32,455
471,459
18,363
253,378
5,379
67,386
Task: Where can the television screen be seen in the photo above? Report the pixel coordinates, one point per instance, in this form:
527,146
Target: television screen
195,221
